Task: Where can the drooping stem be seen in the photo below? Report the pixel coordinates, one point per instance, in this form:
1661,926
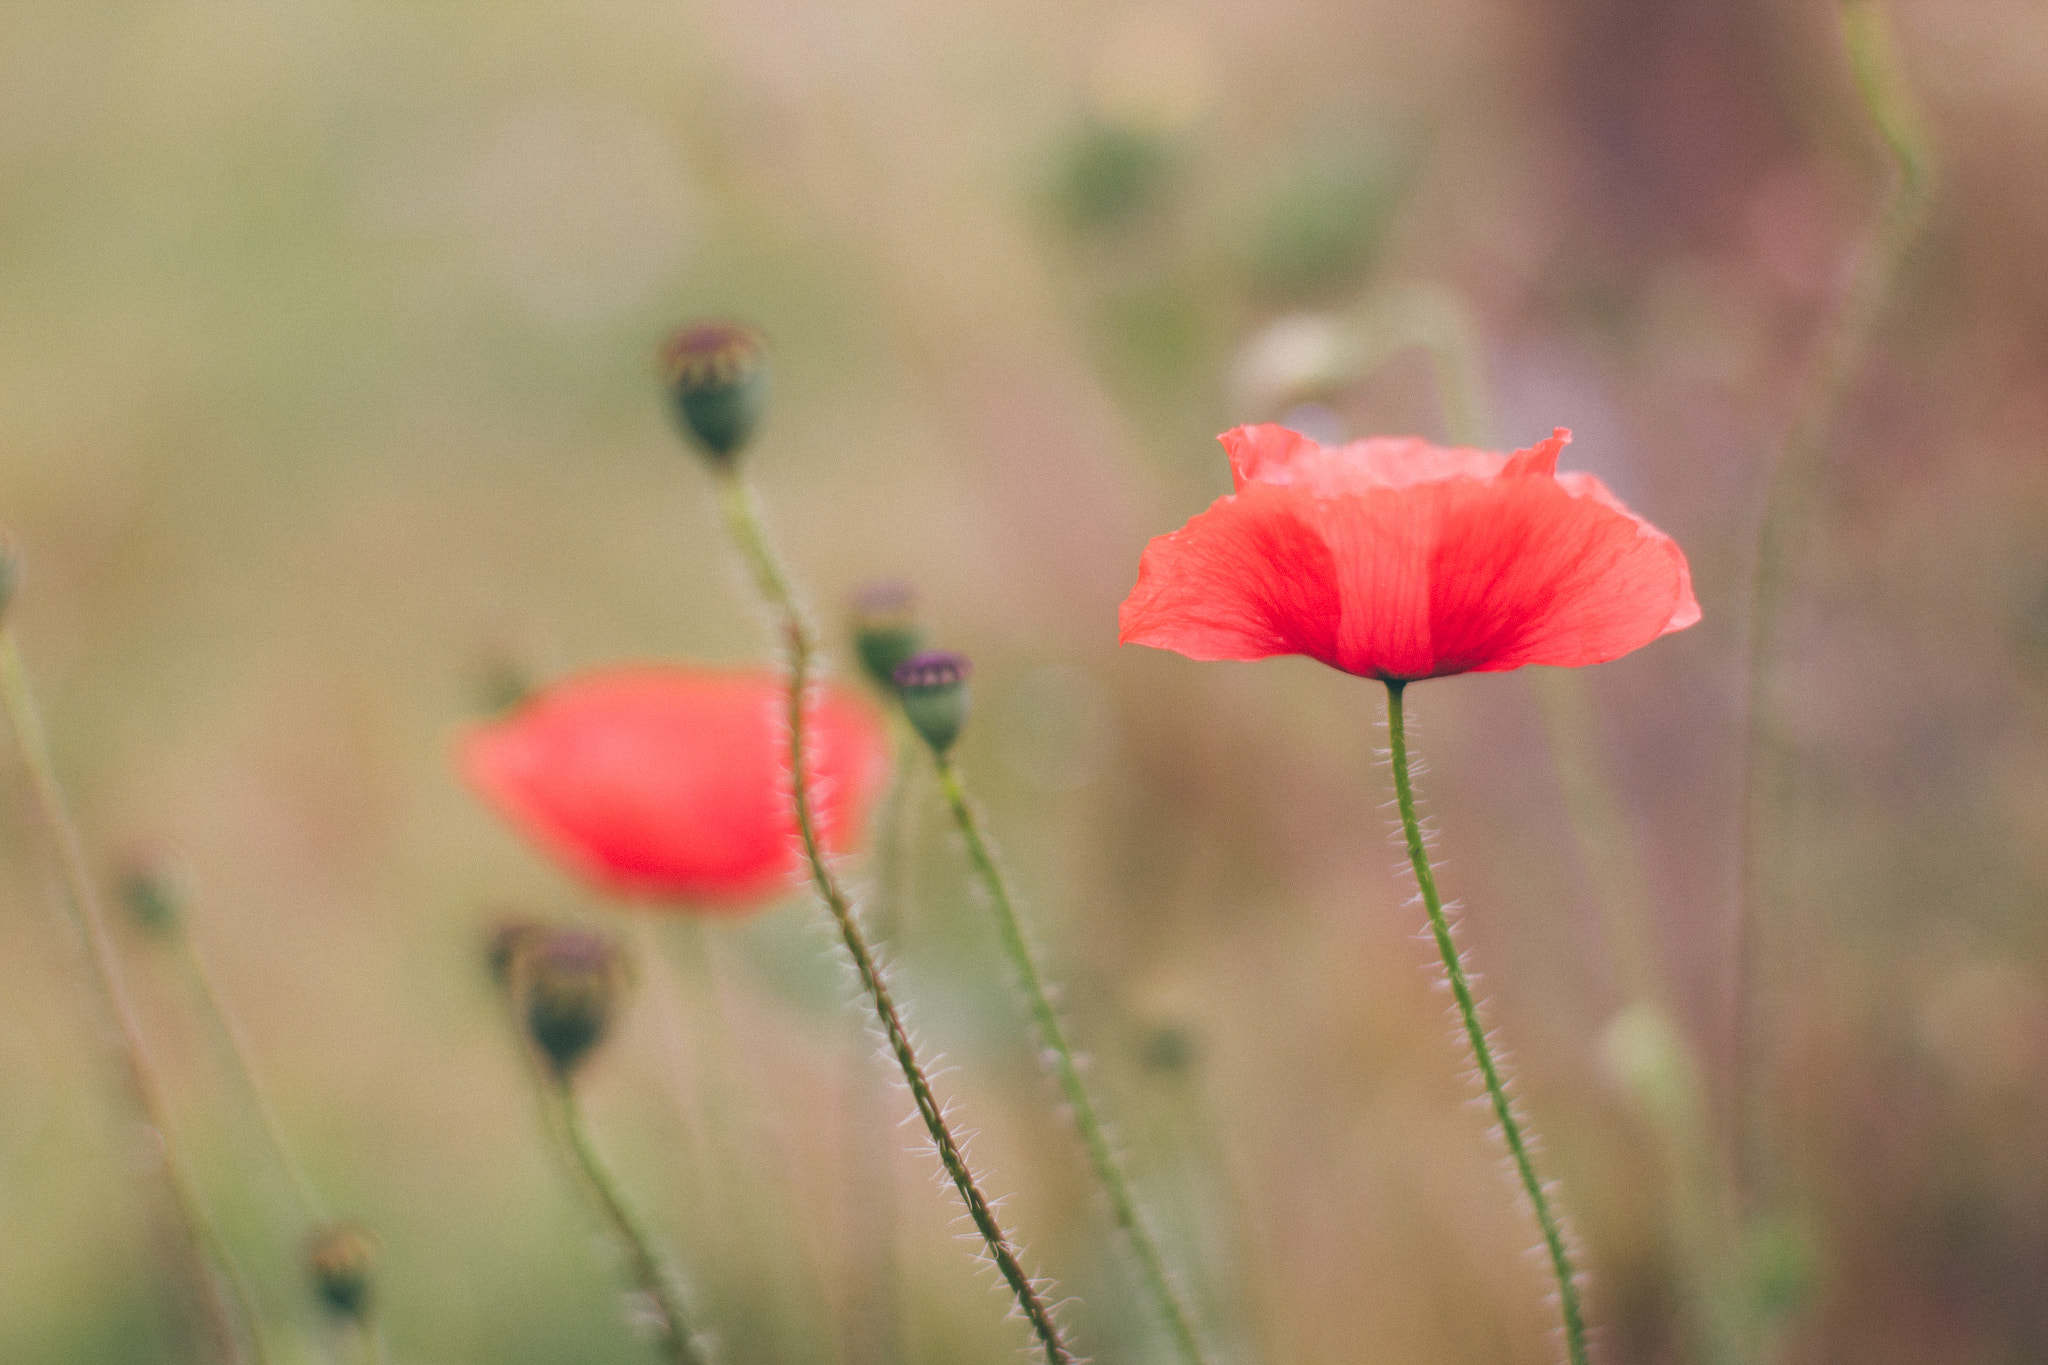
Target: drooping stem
230,1303
672,1331
1475,1034
745,526
1782,533
1052,1035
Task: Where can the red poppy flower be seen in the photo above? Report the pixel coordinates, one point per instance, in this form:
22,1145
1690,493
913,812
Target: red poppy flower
672,784
1392,558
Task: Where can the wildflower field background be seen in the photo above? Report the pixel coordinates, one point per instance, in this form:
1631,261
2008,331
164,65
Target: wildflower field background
328,404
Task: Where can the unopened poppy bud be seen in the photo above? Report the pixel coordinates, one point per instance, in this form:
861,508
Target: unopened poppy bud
151,897
717,377
341,1259
933,687
569,981
885,630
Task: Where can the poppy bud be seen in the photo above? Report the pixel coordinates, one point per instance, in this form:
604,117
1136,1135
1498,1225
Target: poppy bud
151,896
717,376
340,1259
885,630
933,686
568,982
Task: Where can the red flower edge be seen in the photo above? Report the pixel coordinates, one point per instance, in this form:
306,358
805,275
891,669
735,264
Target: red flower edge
1393,558
670,785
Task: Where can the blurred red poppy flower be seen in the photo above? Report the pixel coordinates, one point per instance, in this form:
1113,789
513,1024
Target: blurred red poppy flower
1392,558
671,784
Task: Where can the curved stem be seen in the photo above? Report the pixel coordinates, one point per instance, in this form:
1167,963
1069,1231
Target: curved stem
1053,1037
230,1303
1794,485
1468,1012
745,526
673,1333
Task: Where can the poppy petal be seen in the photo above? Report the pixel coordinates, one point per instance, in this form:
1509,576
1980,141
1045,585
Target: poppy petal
672,784
1247,579
1545,571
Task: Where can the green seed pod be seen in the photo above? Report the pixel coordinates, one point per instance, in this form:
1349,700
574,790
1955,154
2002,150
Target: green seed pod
340,1259
885,630
568,982
717,377
933,687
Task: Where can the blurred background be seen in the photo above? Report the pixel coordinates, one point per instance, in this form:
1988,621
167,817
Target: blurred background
327,394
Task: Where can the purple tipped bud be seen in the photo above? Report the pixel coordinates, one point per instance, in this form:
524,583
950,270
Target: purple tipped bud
885,630
717,377
567,983
933,688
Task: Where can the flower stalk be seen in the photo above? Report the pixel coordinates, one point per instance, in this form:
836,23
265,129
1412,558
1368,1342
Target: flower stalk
677,1343
230,1303
563,986
1102,1157
368,1328
744,524
872,1294
1468,1012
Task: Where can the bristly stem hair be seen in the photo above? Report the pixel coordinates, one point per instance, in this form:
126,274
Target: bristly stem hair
1052,1035
1781,535
1475,1033
744,523
230,1303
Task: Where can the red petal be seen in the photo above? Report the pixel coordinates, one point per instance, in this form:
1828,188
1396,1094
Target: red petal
672,783
1549,571
1275,455
1247,579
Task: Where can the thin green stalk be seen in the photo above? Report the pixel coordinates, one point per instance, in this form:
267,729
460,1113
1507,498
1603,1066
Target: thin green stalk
230,1031
1052,1035
1782,534
672,1333
873,1330
745,526
230,1303
368,1329
1475,1034
1669,1090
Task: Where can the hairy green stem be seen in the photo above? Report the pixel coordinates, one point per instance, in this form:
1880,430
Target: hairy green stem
230,1303
745,526
1669,1092
1782,534
873,1312
1475,1034
672,1332
1109,1172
